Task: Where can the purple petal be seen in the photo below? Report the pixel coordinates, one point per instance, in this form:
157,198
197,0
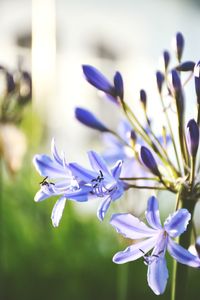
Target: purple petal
98,163
131,227
47,167
87,118
135,251
182,255
80,195
177,223
40,196
152,213
82,173
55,153
116,170
58,211
98,80
105,204
157,275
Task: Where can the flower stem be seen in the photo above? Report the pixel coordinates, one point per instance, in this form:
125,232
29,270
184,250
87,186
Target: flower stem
180,271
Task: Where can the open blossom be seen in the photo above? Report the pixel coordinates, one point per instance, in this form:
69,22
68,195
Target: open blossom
74,182
156,237
104,182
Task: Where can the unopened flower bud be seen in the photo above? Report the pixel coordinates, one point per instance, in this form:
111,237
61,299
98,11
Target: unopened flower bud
149,161
179,45
119,85
143,98
166,58
87,118
178,92
186,66
193,137
160,79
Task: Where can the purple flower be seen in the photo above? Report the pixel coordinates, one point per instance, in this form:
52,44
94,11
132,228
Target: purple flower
156,237
186,66
160,80
193,137
179,45
58,181
98,80
149,161
87,118
104,183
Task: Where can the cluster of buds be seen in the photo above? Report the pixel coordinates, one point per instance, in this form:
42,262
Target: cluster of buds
15,94
141,161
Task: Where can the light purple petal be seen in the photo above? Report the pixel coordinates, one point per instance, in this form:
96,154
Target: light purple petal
135,251
177,223
58,211
98,163
82,173
103,207
152,213
157,275
40,196
116,170
182,255
131,227
55,153
81,195
47,167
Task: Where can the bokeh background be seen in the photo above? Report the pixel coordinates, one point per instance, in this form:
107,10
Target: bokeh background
52,39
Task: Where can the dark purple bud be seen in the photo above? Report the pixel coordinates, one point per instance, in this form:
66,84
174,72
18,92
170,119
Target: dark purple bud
186,66
133,136
98,80
143,98
149,161
87,118
119,85
176,82
197,80
177,91
160,79
166,58
193,137
179,45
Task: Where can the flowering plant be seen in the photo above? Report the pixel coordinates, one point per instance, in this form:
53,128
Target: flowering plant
147,165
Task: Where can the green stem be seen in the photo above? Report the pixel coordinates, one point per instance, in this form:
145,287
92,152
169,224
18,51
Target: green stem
180,271
122,281
171,132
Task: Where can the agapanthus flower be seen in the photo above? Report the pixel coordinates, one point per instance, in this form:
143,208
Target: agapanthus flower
103,182
99,81
58,181
74,182
156,237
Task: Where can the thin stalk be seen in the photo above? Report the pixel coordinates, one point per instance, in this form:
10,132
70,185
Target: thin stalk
145,136
192,173
180,271
171,133
147,187
139,178
198,114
